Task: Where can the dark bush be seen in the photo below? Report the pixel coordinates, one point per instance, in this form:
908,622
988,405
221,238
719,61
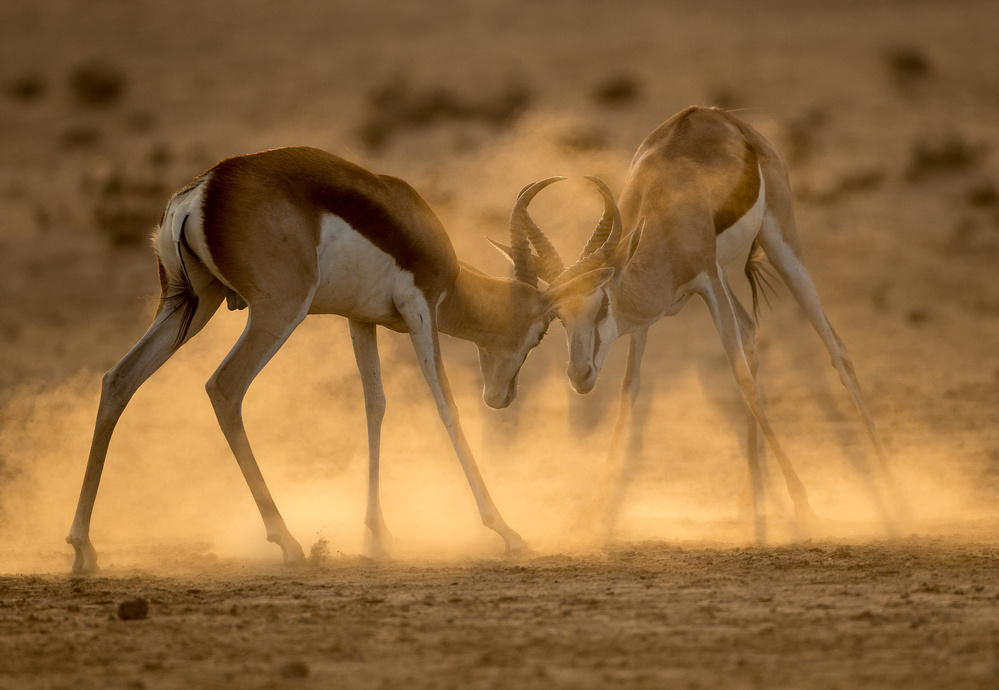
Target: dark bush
395,106
983,193
30,87
907,64
96,85
946,153
80,137
127,211
617,91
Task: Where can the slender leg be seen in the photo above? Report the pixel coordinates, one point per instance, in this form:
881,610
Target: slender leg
792,270
267,328
617,471
788,262
725,320
421,320
365,340
754,446
118,387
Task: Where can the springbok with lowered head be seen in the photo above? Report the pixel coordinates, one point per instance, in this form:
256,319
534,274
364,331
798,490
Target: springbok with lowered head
703,189
297,231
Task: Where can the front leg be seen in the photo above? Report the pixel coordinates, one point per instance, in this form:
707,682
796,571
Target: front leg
364,338
754,444
606,505
267,328
421,319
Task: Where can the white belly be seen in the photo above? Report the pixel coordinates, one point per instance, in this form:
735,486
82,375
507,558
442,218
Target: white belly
356,278
735,240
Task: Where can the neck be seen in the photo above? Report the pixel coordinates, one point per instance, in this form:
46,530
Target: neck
633,305
479,308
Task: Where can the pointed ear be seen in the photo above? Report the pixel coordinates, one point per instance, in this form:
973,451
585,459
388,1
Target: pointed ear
507,253
502,249
582,285
630,246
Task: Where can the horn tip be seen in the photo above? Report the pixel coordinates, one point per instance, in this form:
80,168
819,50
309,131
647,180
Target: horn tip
550,180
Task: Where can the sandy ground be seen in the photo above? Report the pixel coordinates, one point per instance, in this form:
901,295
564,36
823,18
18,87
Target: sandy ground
887,115
913,613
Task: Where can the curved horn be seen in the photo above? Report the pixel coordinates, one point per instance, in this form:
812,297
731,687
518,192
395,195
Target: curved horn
524,232
609,228
602,242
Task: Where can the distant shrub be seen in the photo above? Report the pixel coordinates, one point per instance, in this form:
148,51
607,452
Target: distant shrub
128,210
907,63
944,153
29,87
618,90
80,137
582,140
802,133
96,84
983,194
395,106
849,183
908,69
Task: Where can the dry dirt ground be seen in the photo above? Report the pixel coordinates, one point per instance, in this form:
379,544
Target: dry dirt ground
887,113
913,613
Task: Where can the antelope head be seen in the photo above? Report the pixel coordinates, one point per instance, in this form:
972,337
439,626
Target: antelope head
518,308
579,296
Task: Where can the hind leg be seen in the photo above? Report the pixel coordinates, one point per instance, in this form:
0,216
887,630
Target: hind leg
786,258
789,264
268,326
154,348
724,315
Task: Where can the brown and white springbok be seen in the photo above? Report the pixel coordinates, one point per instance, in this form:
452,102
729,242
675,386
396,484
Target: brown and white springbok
297,231
708,188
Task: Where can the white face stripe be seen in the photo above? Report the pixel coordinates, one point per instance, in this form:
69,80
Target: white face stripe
607,332
590,341
736,239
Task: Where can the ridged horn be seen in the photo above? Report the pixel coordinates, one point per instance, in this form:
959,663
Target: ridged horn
609,228
602,242
524,232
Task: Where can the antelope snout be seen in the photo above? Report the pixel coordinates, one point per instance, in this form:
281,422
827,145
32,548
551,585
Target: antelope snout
583,378
499,399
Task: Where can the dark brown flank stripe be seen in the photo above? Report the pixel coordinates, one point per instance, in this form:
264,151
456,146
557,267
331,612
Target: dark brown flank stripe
312,180
743,196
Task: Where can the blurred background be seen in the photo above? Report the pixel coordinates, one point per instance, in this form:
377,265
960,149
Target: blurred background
886,113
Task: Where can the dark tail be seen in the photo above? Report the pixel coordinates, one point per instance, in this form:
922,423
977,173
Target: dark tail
759,273
179,296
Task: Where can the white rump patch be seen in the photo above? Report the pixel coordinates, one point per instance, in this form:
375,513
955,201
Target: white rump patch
735,240
185,215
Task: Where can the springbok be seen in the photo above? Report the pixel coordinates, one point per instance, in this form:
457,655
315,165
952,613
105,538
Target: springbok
296,231
707,187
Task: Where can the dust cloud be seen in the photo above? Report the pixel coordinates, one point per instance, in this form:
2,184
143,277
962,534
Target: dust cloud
172,494
171,488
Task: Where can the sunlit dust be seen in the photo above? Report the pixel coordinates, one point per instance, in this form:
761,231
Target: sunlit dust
170,479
